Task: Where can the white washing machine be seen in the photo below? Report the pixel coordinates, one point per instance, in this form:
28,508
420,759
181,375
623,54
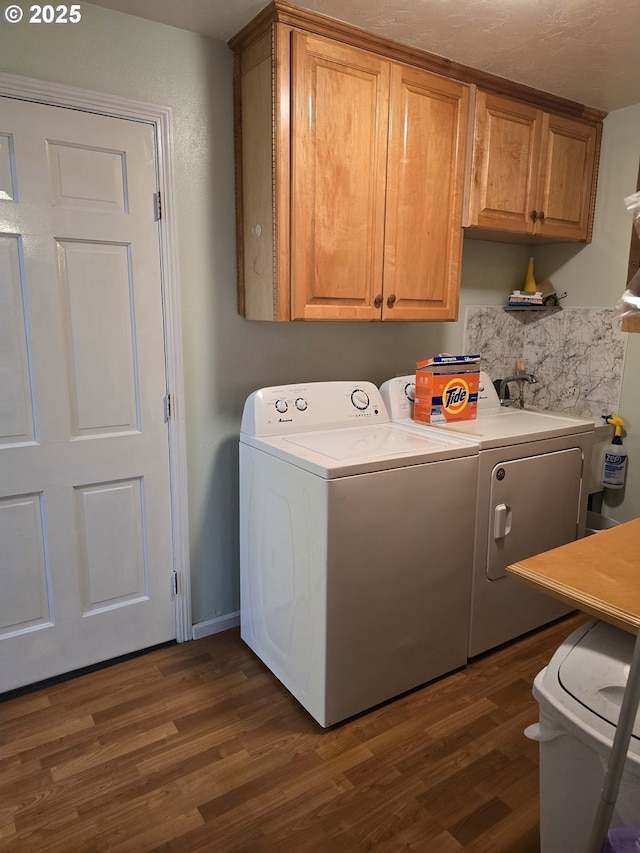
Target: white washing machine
532,495
354,566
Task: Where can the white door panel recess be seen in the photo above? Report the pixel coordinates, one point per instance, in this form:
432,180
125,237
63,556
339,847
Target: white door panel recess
86,557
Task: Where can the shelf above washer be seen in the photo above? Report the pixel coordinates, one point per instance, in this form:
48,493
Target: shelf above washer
533,309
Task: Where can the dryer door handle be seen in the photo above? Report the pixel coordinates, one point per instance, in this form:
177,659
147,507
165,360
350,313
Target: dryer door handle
501,521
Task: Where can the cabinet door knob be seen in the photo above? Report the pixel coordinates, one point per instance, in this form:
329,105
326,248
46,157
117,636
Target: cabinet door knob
534,215
541,216
377,302
391,300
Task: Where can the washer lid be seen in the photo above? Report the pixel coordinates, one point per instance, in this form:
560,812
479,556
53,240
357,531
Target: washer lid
595,669
368,443
359,450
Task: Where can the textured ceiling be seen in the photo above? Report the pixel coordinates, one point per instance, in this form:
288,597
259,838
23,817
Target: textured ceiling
584,50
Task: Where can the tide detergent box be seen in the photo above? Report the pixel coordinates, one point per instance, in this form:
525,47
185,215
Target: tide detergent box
447,389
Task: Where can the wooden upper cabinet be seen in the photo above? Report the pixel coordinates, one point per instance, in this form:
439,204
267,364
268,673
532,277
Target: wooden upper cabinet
356,170
425,183
377,181
567,180
504,167
350,178
532,172
339,121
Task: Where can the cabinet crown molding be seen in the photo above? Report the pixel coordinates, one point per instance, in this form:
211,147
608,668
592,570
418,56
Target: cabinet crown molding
281,12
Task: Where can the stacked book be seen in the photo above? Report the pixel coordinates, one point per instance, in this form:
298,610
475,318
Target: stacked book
525,298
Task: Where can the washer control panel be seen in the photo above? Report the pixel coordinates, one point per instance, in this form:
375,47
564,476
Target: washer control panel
399,395
284,409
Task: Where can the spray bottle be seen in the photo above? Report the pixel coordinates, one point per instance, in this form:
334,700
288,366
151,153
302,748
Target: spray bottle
614,469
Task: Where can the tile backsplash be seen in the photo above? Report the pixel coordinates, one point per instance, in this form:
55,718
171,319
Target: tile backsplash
576,354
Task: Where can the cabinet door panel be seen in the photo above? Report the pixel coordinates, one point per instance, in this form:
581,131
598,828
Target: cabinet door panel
339,144
425,181
566,178
505,168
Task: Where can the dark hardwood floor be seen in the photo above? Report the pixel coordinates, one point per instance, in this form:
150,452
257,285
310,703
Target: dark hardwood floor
198,747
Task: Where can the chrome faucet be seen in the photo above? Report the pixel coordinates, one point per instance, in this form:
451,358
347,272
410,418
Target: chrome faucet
522,378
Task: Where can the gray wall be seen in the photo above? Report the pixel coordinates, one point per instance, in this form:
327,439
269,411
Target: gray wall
596,275
225,356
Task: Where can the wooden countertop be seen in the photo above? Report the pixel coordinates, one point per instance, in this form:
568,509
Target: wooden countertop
599,574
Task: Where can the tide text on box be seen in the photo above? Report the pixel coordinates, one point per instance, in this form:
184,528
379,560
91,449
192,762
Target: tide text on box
444,395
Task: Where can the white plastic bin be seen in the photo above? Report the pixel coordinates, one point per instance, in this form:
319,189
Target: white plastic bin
579,694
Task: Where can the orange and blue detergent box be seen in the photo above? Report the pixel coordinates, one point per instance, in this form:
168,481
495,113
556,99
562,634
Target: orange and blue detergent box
446,389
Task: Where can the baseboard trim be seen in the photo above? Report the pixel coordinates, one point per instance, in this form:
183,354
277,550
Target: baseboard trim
215,626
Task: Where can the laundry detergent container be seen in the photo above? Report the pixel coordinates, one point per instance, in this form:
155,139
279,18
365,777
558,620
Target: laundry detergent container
580,693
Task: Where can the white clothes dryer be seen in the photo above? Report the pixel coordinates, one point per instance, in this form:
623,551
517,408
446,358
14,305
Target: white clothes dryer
533,474
354,579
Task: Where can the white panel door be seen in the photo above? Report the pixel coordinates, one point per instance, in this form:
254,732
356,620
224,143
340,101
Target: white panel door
85,513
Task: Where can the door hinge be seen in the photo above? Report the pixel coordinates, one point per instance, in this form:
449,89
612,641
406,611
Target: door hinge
157,206
174,582
168,407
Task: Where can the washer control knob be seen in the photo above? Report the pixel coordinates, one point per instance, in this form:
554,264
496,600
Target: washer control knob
410,391
301,404
281,406
360,399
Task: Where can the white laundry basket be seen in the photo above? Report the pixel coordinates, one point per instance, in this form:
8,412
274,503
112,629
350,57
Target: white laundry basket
579,694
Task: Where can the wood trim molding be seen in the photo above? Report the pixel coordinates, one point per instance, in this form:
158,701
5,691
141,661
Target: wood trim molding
237,149
43,92
282,12
594,182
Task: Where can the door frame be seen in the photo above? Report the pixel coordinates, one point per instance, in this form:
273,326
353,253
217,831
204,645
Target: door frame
160,117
